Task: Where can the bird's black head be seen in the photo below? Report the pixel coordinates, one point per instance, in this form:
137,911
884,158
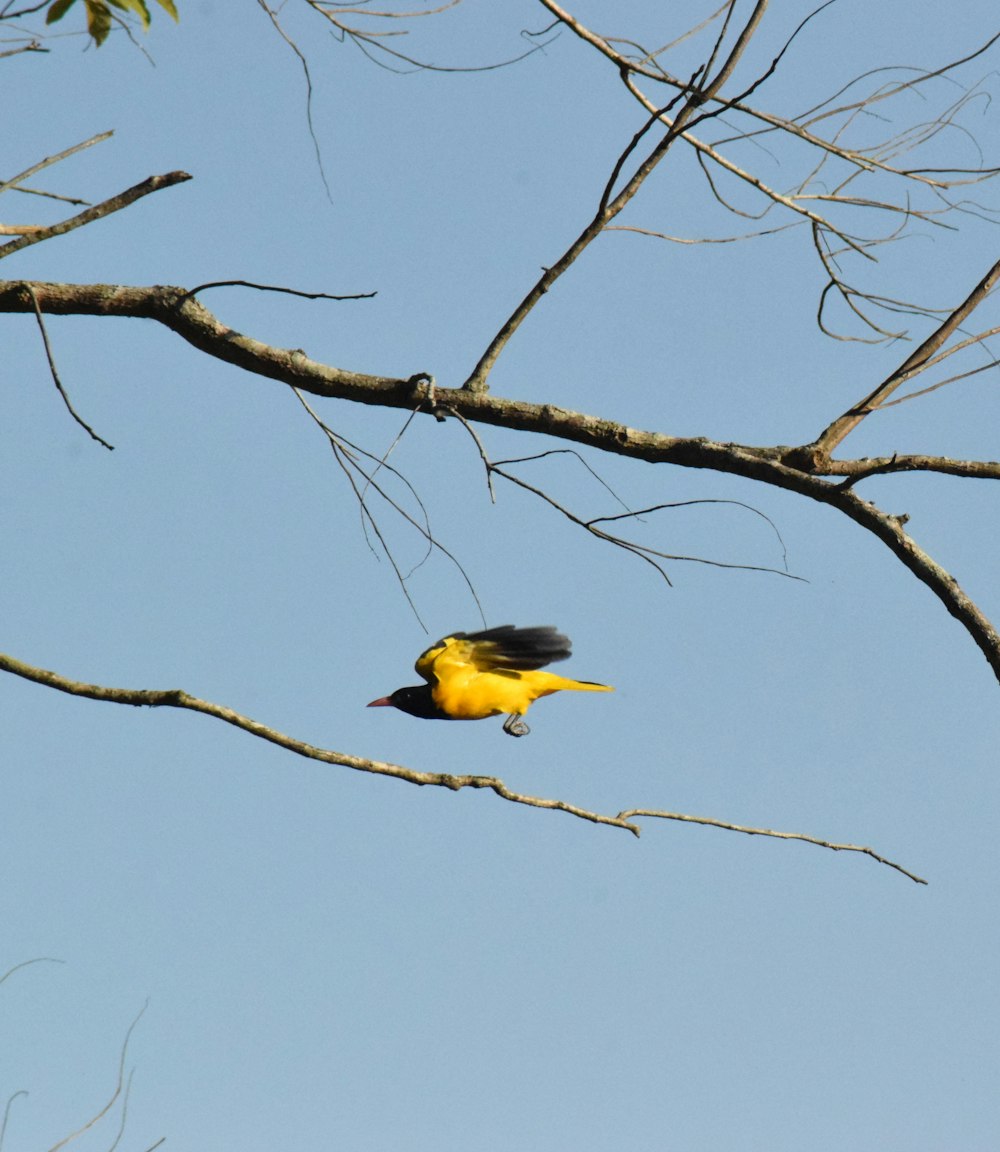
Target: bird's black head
416,701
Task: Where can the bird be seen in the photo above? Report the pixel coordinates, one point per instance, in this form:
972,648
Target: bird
474,675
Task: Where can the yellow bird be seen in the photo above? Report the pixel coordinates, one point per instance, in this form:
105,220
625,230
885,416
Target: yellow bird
472,675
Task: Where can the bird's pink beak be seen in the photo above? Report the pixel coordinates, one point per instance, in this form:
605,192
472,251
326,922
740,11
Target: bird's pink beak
383,702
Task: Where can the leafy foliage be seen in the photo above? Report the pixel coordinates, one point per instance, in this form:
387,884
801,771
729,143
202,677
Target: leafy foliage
100,16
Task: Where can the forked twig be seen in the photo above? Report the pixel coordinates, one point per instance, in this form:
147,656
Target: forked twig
279,288
346,455
652,556
114,204
608,209
14,181
120,1087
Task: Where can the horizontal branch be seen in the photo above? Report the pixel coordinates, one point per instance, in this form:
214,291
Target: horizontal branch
857,470
797,470
176,698
179,311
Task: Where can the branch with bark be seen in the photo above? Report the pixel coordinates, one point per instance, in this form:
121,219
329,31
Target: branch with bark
796,469
799,470
825,197
175,698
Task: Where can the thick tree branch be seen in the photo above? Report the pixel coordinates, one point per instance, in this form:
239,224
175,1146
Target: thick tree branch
175,698
783,467
178,310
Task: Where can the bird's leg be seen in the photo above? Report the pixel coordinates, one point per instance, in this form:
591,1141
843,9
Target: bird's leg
515,726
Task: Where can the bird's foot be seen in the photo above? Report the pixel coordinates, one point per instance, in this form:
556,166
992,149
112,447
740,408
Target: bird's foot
515,726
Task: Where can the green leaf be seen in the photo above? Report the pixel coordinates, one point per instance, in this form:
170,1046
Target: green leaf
99,14
136,6
98,21
58,10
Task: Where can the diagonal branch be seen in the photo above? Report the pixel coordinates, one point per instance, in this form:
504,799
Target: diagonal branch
14,181
609,209
115,204
912,366
650,69
175,698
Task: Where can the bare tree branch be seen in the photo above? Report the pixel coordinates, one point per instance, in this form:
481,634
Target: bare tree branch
609,209
175,698
58,383
115,204
14,181
713,823
912,366
806,193
793,469
120,1087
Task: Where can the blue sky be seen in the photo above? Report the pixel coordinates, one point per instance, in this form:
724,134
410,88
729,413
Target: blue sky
337,960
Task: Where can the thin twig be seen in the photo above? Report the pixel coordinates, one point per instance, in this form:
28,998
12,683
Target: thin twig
712,823
278,288
119,1087
55,376
50,160
273,17
26,963
6,1113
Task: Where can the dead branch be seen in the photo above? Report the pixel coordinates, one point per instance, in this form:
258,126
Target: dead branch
692,99
637,65
121,1090
175,698
25,963
115,204
370,32
797,470
362,478
713,823
14,181
58,383
912,366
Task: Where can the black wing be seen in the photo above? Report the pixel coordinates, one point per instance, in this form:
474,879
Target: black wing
517,648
